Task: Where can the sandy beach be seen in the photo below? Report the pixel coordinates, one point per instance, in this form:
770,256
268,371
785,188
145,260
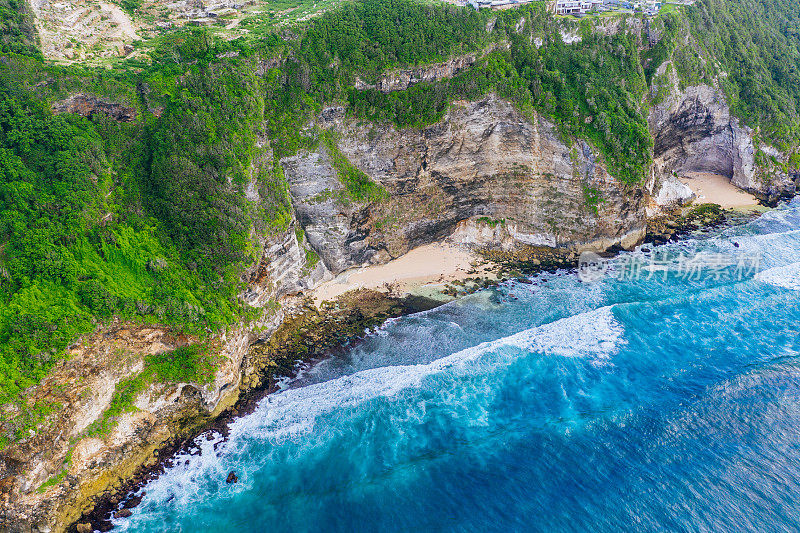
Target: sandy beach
429,265
716,189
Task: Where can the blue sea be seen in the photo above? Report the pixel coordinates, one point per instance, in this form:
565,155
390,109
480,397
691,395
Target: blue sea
663,394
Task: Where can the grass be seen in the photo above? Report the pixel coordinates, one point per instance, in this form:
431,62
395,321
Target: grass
312,258
492,222
593,198
56,479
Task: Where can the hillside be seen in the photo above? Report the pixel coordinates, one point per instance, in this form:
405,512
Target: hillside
193,186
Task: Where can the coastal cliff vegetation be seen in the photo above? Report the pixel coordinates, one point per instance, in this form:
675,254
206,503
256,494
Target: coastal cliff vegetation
157,219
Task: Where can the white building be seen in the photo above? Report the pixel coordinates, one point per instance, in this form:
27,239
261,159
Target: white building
576,7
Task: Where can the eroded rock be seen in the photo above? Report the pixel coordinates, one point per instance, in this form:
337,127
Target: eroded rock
87,105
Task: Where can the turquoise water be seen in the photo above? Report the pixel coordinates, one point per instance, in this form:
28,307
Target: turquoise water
647,404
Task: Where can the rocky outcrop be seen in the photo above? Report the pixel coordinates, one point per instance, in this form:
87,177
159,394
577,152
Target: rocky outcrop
52,477
694,131
402,79
87,105
328,217
485,162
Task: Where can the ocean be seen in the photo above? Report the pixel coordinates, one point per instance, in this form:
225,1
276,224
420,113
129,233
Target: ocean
658,391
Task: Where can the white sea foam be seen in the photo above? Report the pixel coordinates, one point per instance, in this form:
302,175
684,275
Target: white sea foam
595,334
183,480
293,413
784,276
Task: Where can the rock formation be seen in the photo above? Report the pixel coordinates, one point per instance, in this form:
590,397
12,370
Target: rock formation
485,161
694,131
486,175
87,105
402,79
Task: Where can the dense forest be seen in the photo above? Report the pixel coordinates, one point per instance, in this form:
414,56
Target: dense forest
757,44
148,220
17,31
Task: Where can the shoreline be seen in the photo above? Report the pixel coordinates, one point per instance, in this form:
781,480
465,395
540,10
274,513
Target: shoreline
399,294
419,272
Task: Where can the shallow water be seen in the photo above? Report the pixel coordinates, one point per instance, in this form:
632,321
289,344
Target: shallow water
648,404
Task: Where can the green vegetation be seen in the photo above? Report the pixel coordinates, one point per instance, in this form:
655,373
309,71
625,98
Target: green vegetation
130,5
492,222
190,363
31,415
590,89
56,479
17,32
593,198
312,258
755,45
358,185
371,36
145,221
153,221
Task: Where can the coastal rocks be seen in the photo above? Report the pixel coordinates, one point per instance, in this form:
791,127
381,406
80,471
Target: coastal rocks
87,105
74,456
327,216
528,260
307,332
279,271
673,193
232,478
677,222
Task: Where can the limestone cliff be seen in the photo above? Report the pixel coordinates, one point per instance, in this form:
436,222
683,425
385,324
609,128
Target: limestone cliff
51,478
485,175
694,131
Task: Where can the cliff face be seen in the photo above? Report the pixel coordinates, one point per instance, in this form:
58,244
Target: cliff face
52,477
693,131
87,105
485,175
402,79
